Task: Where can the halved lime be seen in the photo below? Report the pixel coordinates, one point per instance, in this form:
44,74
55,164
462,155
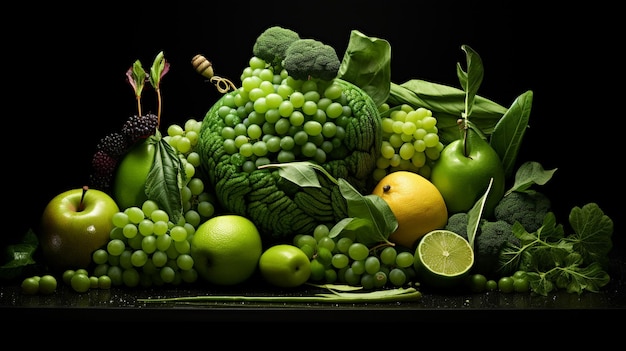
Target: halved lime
443,258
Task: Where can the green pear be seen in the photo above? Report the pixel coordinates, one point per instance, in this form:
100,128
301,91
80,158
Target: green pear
463,171
129,184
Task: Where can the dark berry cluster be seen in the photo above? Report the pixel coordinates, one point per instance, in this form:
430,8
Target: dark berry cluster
113,146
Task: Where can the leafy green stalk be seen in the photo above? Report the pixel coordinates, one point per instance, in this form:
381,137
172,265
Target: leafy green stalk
388,295
137,78
159,68
552,260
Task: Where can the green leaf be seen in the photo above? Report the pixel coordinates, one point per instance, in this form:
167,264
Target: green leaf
159,68
508,133
300,173
166,178
592,233
367,64
369,207
19,256
528,174
136,77
472,79
474,215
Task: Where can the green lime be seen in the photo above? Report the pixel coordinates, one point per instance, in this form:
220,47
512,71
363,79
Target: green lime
443,258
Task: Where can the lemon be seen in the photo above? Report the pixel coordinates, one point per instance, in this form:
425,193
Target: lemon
226,249
416,203
443,258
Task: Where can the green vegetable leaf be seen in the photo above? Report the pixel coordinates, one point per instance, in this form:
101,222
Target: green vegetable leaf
474,215
472,79
367,64
300,173
136,78
19,256
508,133
528,174
166,178
372,208
159,68
592,233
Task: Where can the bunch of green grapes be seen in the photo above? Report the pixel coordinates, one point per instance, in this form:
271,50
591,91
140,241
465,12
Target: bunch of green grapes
410,141
145,246
345,260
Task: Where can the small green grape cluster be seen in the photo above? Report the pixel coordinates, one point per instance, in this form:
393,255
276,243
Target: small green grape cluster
345,260
410,141
44,285
81,281
146,248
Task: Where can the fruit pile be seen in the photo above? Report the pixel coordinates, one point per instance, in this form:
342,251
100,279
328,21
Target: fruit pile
372,189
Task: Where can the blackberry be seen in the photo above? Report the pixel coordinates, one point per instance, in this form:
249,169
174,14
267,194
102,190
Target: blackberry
137,127
103,167
114,144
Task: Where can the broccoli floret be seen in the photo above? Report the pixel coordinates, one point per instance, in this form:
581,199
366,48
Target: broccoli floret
491,237
306,58
272,44
458,223
528,208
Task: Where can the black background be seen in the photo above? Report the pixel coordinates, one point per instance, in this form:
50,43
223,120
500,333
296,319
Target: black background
67,86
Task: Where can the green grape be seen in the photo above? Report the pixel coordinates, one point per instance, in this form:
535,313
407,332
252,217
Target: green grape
100,256
388,256
115,247
324,256
308,250
130,277
397,277
148,207
125,259
317,270
163,242
130,230
192,217
351,278
358,251
343,244
120,219
138,258
115,273
372,264
404,259
135,242
167,274
160,228
330,275
184,262
146,227
80,282
159,258
104,282
358,266
340,260
206,209
327,243
380,279
30,286
306,239
135,214
47,284
93,282
367,281
182,247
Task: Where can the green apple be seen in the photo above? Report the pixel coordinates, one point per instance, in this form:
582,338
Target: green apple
285,266
463,171
129,184
74,224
